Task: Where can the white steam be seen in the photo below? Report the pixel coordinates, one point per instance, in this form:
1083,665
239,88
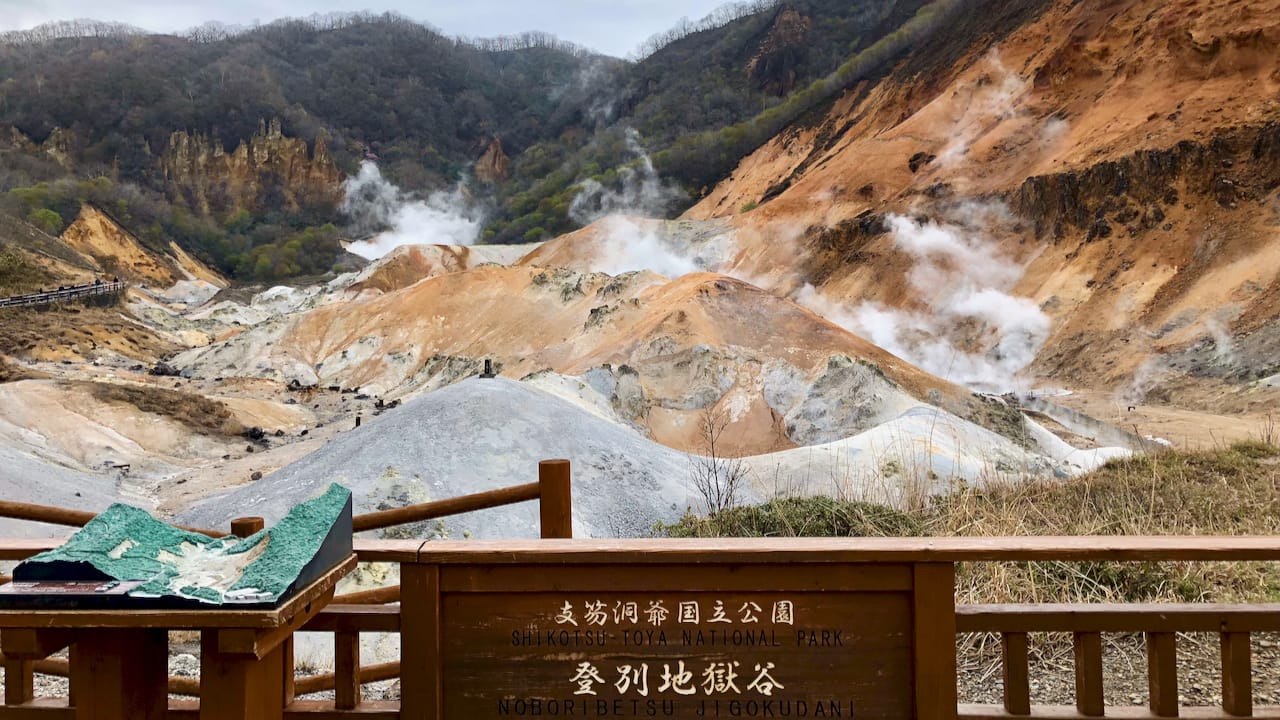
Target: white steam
1224,348
633,245
640,191
628,242
970,330
374,204
981,107
1153,373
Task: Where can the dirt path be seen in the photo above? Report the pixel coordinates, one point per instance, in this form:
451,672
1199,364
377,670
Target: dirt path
1186,429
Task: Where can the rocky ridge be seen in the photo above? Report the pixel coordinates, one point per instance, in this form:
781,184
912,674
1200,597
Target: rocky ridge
267,171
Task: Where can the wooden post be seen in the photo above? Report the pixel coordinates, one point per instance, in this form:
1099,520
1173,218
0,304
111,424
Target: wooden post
420,672
346,670
246,526
934,618
1162,673
19,681
1087,647
73,687
1237,686
556,501
121,674
239,685
286,657
1017,689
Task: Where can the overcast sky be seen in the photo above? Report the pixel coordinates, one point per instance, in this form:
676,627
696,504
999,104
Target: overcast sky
614,27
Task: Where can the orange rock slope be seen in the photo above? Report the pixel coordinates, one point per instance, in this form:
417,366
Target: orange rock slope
662,350
1135,144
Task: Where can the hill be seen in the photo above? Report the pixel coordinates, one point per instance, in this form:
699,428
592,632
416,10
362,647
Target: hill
1121,160
235,144
474,436
659,351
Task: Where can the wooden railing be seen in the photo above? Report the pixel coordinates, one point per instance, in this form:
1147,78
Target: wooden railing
1159,623
346,617
48,297
347,620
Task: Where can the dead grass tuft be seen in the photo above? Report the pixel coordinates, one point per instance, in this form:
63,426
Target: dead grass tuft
13,373
205,416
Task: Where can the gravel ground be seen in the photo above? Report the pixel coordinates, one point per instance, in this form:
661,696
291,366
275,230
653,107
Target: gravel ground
1051,672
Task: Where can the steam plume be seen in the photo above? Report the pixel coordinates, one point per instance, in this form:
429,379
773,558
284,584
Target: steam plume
992,100
634,245
970,330
374,204
1153,373
1224,348
640,192
628,242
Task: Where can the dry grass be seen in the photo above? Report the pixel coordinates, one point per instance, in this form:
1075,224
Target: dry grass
1230,491
205,416
13,373
77,332
19,275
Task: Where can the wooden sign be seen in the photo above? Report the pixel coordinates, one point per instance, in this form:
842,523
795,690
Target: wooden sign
698,640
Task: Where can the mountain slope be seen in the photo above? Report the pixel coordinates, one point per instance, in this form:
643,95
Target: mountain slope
474,436
661,351
1124,157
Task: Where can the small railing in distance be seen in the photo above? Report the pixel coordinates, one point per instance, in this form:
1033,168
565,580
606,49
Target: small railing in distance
72,293
369,611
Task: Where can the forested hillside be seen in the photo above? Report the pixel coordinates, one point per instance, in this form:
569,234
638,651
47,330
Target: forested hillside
234,143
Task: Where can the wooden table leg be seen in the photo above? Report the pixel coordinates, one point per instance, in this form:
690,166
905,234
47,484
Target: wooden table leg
124,671
19,681
240,687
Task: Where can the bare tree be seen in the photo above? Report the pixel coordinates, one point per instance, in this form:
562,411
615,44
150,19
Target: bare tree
717,477
717,18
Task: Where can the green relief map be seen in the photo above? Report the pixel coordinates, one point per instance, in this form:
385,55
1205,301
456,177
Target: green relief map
127,545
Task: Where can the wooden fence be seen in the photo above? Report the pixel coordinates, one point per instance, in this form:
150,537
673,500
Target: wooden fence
922,567
347,617
78,292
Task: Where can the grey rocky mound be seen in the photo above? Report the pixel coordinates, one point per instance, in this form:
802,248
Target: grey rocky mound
27,478
477,435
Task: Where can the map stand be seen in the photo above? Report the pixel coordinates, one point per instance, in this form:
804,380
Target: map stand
119,658
113,591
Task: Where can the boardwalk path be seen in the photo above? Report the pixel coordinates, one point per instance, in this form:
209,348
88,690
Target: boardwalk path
70,293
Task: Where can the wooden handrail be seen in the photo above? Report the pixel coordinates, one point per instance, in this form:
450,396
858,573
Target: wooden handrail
1132,548
355,618
65,516
552,490
327,681
1149,617
190,687
1160,624
442,508
45,514
376,596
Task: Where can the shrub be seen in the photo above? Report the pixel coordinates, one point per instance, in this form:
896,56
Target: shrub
47,220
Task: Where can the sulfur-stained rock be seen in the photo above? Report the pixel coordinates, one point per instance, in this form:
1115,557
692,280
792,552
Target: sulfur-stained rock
269,171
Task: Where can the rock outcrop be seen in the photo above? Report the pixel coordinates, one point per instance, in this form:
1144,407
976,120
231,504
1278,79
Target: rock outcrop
60,146
493,166
1133,193
269,171
773,69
